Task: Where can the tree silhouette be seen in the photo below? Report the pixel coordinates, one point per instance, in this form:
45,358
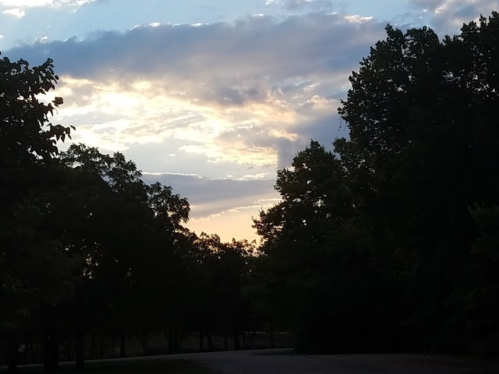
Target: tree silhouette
33,270
378,235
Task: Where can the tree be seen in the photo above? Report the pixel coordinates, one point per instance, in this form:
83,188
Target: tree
319,263
475,297
33,268
421,118
387,213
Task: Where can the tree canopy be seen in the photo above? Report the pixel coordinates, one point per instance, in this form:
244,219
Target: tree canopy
382,232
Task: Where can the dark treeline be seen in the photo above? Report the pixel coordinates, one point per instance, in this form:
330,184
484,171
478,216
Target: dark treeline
90,252
390,242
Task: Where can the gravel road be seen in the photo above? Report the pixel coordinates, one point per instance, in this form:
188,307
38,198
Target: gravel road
284,361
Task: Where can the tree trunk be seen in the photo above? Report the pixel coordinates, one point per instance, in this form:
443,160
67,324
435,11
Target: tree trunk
73,352
12,354
91,349
80,348
237,345
210,341
122,345
46,348
32,353
177,340
170,339
27,345
102,346
252,339
54,346
201,338
245,339
271,333
69,349
50,338
144,340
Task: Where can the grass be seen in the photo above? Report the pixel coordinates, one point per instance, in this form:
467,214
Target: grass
149,366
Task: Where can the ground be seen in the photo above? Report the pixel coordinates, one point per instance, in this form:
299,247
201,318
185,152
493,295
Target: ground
284,361
156,365
280,361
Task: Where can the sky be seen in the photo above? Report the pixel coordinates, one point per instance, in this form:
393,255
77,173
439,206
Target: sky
211,97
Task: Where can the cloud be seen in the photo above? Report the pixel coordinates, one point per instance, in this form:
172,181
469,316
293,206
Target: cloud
232,93
19,8
27,3
210,197
43,3
223,206
310,5
243,53
16,12
447,16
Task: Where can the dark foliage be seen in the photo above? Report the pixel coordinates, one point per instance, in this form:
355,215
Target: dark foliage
389,242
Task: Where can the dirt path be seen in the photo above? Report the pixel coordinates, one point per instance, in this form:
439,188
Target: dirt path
283,361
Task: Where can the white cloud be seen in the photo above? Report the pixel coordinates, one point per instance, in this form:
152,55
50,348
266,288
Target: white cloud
16,12
27,3
212,196
358,19
314,5
20,5
259,176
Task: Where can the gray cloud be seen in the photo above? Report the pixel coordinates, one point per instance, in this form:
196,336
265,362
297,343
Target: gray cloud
326,127
281,64
427,4
167,158
316,5
217,60
212,196
263,137
447,16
